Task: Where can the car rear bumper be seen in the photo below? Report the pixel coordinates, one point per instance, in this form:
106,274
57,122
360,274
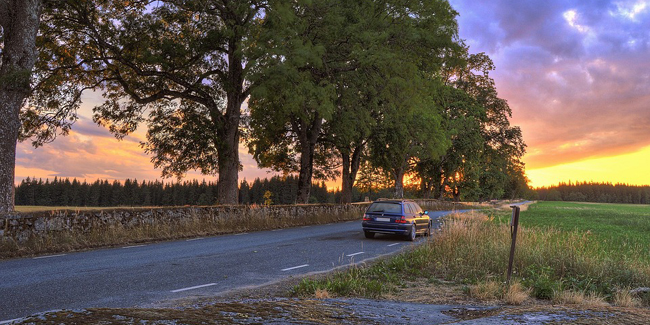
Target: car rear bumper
387,228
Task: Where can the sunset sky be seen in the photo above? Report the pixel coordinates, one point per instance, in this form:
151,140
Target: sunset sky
575,73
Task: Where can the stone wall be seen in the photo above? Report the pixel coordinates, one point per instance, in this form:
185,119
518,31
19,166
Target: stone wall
22,226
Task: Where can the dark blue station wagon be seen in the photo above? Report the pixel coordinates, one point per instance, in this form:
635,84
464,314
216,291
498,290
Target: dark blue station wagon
397,217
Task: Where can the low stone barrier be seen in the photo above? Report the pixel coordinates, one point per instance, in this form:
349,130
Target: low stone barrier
22,226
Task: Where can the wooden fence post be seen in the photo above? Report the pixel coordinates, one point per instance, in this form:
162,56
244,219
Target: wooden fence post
514,224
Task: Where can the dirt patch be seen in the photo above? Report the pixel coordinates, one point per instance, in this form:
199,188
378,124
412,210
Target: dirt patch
414,303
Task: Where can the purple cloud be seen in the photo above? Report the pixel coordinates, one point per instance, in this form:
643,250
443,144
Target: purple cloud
575,73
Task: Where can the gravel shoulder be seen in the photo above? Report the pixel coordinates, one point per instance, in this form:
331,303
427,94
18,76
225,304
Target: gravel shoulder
443,303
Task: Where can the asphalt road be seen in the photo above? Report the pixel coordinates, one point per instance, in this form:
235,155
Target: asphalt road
144,275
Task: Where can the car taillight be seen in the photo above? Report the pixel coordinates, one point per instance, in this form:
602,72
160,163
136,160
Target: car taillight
366,217
401,220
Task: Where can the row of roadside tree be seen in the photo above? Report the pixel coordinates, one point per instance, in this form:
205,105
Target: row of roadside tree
316,89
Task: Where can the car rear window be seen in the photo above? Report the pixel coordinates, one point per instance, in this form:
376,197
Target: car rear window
385,207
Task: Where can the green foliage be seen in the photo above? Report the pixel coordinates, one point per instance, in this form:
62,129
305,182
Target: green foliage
179,66
267,198
484,159
541,281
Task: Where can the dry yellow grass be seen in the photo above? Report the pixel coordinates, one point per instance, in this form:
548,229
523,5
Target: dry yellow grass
489,290
623,298
516,294
322,294
568,297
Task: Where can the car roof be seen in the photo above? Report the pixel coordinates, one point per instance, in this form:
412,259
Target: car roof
393,200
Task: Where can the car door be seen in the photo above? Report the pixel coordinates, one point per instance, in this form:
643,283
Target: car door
421,219
424,219
413,214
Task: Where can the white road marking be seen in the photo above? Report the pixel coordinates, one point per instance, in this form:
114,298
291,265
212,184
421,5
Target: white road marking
10,321
295,267
353,254
195,287
193,239
243,233
393,244
48,256
134,246
276,229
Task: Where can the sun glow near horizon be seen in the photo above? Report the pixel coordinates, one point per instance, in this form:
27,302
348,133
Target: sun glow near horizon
631,168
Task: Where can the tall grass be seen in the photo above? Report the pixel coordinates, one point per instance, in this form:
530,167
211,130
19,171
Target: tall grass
472,249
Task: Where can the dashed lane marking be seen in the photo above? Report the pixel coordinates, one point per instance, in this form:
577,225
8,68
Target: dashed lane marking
354,254
393,244
194,287
48,256
134,246
295,267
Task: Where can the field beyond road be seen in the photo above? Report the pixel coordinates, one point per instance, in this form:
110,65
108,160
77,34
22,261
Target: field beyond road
617,228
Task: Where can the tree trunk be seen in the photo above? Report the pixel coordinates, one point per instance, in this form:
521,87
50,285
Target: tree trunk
456,194
308,136
228,151
228,148
10,103
19,20
349,173
425,188
227,187
306,171
399,183
346,183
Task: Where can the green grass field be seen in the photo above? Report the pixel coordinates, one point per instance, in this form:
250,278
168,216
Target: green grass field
618,228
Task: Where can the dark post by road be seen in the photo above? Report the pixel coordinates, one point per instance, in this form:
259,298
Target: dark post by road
514,224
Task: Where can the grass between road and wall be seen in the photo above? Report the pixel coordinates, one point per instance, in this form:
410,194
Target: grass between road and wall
567,253
65,241
37,208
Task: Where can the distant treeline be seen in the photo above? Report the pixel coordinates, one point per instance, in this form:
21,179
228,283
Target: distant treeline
595,192
102,193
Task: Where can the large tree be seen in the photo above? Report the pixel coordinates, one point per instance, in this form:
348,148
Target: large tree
458,168
410,128
485,156
19,23
339,67
178,65
297,88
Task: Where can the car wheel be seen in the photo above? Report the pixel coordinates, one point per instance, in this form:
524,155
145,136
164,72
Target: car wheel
428,233
412,234
369,234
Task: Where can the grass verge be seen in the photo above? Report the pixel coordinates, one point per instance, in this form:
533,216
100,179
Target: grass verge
472,250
